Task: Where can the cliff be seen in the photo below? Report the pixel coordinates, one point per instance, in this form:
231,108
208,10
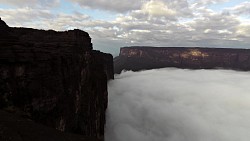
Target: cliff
54,78
17,128
142,58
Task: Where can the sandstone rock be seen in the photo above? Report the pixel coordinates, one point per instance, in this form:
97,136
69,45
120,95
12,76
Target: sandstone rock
55,78
141,58
3,25
16,128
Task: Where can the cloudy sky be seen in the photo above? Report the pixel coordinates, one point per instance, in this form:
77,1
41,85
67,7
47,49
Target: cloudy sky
116,23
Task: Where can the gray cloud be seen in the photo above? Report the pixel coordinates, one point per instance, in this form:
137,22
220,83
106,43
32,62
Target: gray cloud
110,5
24,16
179,105
123,6
43,19
205,3
241,9
31,3
148,22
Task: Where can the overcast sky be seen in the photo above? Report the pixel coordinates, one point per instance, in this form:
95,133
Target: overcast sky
116,23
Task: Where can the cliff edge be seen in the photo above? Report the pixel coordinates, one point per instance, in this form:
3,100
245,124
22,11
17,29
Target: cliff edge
54,78
143,58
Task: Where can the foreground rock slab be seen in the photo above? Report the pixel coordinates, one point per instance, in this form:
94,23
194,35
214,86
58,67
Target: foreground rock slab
54,78
17,128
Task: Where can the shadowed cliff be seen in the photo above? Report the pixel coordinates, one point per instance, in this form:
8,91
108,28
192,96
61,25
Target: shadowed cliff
54,78
143,58
16,128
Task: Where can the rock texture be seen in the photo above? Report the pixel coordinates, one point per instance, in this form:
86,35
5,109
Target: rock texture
141,58
16,128
54,78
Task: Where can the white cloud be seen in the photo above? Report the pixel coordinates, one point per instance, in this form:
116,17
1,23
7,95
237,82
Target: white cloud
179,105
146,22
205,3
110,5
207,30
243,30
124,6
157,8
21,16
241,9
42,19
32,3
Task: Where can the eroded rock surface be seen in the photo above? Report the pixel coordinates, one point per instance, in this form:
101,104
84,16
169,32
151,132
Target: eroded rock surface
142,58
16,128
54,78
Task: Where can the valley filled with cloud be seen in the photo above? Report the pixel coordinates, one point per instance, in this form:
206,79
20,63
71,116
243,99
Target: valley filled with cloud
179,105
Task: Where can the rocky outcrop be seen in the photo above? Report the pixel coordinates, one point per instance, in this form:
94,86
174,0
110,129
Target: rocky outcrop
16,128
141,58
54,78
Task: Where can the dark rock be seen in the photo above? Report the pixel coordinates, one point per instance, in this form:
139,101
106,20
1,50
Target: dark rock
143,58
55,78
3,25
4,28
16,128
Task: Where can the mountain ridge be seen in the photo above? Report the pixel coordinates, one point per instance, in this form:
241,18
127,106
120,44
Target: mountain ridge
138,58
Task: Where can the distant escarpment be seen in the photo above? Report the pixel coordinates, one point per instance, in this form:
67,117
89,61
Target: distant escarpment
54,78
143,58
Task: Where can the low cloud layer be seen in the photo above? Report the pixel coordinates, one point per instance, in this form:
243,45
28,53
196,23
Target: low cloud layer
179,105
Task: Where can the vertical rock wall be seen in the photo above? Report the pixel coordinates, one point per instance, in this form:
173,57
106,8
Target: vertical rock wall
54,78
140,58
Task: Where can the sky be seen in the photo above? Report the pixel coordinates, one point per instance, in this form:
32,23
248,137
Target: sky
179,105
117,23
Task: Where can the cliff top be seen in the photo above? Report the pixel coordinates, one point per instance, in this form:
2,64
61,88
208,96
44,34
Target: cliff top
3,25
152,47
126,50
73,40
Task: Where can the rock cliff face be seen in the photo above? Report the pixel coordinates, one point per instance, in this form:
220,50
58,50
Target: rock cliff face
16,128
54,78
141,58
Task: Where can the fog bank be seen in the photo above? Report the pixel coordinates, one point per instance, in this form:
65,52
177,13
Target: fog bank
179,105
